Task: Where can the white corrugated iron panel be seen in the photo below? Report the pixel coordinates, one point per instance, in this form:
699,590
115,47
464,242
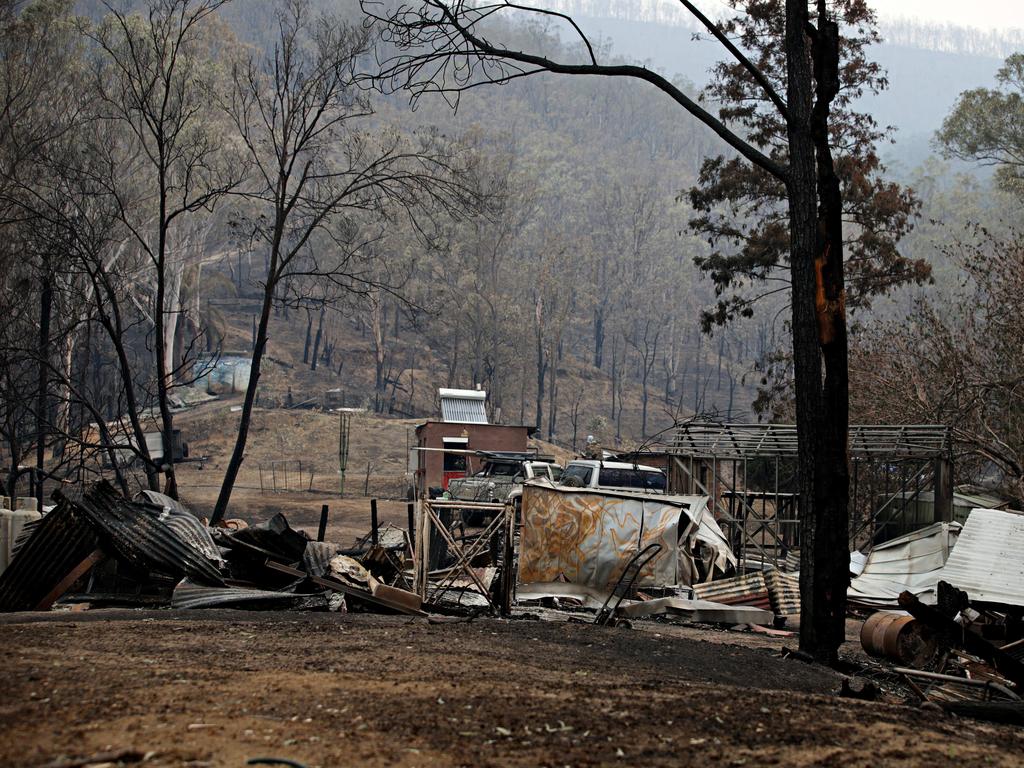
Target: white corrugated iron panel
988,560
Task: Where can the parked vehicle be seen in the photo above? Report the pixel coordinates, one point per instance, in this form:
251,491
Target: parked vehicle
613,475
499,480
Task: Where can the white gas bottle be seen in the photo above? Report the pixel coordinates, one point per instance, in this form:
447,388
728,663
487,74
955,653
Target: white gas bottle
12,521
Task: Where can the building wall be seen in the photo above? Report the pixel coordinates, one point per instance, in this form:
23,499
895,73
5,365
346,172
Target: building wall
482,437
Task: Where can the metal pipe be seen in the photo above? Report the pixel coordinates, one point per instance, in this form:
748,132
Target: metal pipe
958,680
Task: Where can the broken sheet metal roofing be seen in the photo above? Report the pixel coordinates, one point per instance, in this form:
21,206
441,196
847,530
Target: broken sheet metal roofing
464,406
59,542
191,530
988,560
748,589
190,595
912,563
588,537
135,533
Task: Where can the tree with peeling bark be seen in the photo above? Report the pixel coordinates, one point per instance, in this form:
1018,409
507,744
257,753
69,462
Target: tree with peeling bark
445,47
322,190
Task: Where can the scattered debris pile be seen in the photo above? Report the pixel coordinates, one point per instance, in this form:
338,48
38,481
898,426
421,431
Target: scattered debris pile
959,638
154,552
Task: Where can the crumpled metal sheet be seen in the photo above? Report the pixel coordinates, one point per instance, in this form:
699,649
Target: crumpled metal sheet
191,531
59,541
588,537
136,535
272,538
190,595
162,500
316,560
909,563
586,596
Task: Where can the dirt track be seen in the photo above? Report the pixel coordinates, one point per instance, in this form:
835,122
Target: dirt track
217,688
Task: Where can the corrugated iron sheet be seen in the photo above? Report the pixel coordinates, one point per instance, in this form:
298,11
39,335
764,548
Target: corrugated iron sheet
137,536
748,589
783,592
59,542
24,535
190,595
316,560
191,531
988,560
162,500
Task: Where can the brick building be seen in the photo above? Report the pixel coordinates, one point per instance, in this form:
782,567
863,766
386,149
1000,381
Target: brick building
464,427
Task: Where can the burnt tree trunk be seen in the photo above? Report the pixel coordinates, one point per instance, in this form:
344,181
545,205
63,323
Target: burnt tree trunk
43,401
259,347
819,334
317,340
309,336
828,620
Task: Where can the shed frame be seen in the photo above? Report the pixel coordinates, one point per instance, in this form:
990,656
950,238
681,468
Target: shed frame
750,473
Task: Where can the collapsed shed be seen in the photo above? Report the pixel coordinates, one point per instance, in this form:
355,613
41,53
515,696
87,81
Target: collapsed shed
588,537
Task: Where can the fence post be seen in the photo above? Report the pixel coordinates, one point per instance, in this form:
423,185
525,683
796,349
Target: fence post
374,539
323,524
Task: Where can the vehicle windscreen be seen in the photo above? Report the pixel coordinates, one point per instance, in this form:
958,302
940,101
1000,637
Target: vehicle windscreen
578,473
642,479
503,468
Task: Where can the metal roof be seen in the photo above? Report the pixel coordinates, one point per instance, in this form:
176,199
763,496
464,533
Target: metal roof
988,560
133,531
738,441
464,406
58,543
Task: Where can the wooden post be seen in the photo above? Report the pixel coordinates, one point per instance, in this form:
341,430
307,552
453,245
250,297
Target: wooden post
411,509
423,552
508,578
73,575
374,538
943,482
344,429
323,524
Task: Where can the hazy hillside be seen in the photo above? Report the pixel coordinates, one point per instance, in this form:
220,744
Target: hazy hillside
923,81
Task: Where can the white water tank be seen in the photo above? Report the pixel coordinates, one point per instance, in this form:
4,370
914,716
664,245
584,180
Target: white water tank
12,521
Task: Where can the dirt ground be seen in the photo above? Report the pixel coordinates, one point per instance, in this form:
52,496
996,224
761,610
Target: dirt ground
219,688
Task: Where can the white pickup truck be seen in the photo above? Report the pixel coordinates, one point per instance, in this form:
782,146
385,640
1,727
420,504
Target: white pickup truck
613,475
